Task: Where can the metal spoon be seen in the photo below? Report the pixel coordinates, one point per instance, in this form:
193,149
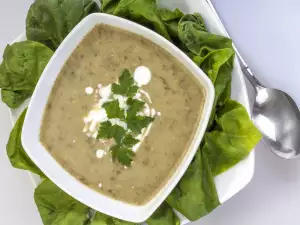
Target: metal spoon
274,113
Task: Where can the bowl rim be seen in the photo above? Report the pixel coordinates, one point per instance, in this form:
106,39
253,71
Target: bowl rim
54,171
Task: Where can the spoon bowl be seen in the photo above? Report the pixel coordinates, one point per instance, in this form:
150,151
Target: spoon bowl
277,117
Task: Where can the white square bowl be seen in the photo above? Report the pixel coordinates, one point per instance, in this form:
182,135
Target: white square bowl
52,169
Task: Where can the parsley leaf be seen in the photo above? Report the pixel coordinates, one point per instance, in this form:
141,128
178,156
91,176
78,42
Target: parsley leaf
134,107
126,85
104,130
129,141
107,131
122,154
137,123
132,91
118,133
113,110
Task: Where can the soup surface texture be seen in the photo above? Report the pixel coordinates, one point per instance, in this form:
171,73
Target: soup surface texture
175,94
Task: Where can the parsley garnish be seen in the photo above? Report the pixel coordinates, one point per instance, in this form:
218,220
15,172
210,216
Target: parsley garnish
122,154
108,131
113,110
124,139
126,85
137,123
134,107
129,141
134,122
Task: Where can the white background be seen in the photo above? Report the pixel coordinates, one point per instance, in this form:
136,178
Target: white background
267,32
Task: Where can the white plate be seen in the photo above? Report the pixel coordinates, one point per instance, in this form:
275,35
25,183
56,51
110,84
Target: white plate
235,179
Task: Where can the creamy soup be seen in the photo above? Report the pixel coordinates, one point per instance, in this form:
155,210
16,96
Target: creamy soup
174,92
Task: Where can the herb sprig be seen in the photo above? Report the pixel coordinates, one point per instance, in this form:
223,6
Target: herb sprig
135,123
126,85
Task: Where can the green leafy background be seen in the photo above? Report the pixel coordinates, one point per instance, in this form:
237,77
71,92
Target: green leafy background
229,138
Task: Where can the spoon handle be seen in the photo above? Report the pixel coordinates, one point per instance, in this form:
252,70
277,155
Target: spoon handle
245,68
248,73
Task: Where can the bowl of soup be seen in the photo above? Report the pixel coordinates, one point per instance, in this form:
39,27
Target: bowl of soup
117,116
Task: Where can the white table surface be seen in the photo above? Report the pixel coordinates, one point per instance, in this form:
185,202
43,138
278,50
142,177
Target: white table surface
267,32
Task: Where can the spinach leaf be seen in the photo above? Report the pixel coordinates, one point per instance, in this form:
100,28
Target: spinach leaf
58,208
171,19
144,12
212,53
204,46
164,215
194,20
50,21
14,99
193,34
218,65
34,28
232,138
168,15
15,151
90,6
22,66
23,63
195,196
102,219
108,6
